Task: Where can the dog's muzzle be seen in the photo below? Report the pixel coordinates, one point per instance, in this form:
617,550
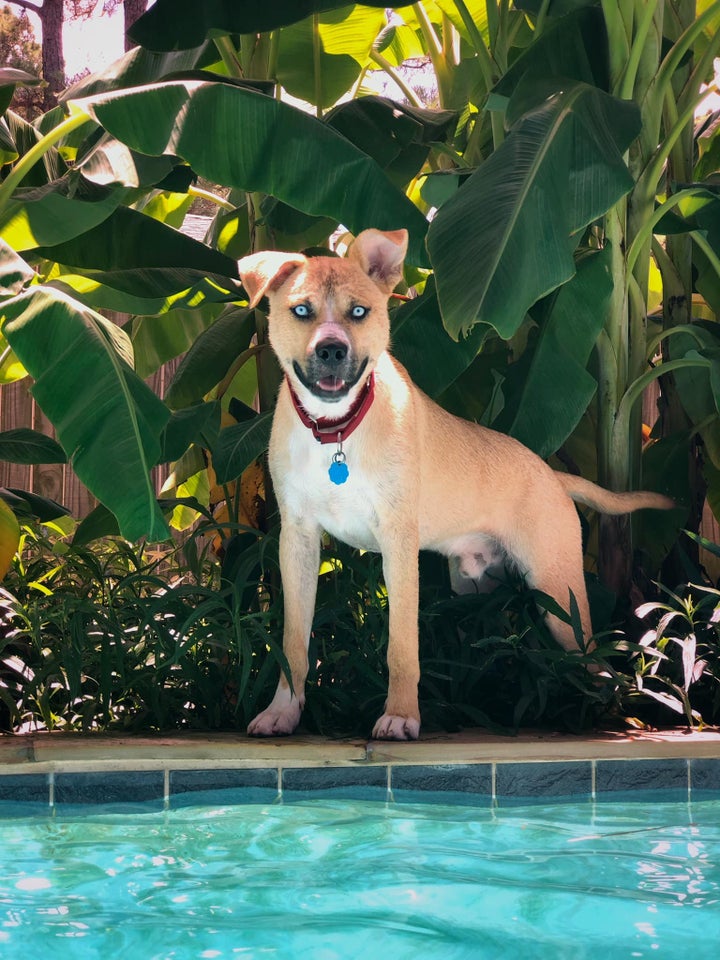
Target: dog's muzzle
330,370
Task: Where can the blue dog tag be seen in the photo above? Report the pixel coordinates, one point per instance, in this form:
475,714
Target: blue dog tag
338,471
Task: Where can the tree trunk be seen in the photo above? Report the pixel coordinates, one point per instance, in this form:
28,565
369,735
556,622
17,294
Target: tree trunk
53,58
133,10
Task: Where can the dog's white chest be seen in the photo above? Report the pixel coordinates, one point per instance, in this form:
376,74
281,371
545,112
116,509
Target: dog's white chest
305,491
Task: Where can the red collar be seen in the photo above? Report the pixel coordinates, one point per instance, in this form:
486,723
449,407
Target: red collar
337,431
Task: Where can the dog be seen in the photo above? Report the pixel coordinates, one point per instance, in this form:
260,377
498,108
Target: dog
358,450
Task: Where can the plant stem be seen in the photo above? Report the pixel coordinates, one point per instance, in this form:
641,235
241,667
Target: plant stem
542,17
440,66
684,43
627,84
654,171
317,61
229,55
210,197
385,65
702,241
493,18
38,151
645,233
618,45
484,57
635,390
687,328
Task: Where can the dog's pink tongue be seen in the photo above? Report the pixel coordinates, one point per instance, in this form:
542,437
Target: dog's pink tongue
331,383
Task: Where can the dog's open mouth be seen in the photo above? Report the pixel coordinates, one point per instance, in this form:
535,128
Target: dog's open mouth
330,386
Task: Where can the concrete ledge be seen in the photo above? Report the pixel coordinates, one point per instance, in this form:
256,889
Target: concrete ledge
51,752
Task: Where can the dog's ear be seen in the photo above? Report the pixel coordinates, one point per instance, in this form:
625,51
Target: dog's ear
380,255
266,271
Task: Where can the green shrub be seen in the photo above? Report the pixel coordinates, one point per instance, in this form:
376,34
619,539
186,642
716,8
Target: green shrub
116,637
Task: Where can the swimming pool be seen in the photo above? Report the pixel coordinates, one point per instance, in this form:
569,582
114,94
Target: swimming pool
344,878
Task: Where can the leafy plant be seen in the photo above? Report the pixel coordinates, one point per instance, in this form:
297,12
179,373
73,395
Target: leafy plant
676,662
561,205
106,637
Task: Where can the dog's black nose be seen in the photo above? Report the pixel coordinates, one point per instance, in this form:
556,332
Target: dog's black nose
331,352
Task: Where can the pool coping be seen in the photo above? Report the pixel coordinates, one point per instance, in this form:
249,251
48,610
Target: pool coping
486,770
49,752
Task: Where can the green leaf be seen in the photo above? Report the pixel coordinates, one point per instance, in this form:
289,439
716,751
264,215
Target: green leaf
99,523
665,469
517,219
396,136
711,474
11,76
159,339
239,445
240,138
421,343
141,256
210,357
139,67
182,24
110,163
199,424
14,272
24,136
570,48
8,150
698,389
537,412
320,58
106,419
50,215
203,295
23,503
29,446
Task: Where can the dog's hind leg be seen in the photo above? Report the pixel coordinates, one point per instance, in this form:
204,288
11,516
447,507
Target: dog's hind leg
549,554
299,563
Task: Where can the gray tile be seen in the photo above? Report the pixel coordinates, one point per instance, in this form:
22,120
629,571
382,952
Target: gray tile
25,788
367,782
462,783
126,787
539,782
705,775
189,787
667,778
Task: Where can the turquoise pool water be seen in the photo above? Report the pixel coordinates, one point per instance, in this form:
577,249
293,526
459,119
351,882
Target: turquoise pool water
330,880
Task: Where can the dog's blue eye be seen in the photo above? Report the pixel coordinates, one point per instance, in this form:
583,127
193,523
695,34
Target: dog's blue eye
301,311
359,313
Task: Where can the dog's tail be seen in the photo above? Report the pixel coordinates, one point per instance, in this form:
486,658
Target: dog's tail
605,501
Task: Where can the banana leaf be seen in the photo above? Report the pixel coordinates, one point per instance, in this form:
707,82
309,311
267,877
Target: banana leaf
107,420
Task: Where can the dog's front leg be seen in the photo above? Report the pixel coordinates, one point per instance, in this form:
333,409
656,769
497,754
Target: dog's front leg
299,563
401,719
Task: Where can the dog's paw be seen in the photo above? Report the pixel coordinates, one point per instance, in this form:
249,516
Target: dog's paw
390,727
275,721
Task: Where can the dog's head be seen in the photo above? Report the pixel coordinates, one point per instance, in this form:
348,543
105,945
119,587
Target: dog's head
328,320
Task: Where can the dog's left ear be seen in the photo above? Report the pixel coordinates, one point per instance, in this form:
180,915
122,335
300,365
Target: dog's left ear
380,255
266,271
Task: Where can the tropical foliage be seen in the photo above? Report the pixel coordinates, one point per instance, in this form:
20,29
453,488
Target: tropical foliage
561,199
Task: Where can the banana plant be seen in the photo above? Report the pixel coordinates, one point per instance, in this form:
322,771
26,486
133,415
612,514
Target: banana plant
554,162
97,226
598,112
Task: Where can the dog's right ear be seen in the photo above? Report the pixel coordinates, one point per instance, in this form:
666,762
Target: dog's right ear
266,271
380,254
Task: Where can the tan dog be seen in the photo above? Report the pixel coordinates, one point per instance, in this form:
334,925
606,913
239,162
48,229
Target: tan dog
359,451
